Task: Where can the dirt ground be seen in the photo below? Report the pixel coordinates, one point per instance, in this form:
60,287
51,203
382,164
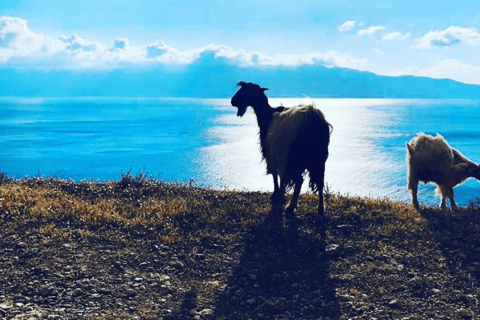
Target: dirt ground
236,258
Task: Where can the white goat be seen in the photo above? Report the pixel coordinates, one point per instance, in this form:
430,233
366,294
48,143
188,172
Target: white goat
431,159
292,140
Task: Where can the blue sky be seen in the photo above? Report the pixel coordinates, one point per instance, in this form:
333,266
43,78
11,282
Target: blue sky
438,39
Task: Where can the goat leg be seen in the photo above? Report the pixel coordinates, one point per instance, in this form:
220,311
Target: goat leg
296,193
452,201
449,194
278,193
413,187
443,203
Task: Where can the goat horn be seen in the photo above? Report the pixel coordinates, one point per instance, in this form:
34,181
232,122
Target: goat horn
410,149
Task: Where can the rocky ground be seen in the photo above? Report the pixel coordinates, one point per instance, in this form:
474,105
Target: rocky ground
141,249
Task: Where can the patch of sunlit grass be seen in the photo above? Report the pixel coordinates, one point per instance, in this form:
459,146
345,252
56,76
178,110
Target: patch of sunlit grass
48,229
179,211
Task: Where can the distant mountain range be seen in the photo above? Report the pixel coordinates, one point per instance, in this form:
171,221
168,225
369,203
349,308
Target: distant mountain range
216,78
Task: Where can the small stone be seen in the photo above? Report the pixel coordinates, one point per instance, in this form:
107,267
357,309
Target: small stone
131,292
77,292
463,312
26,308
393,304
332,249
205,312
164,277
177,264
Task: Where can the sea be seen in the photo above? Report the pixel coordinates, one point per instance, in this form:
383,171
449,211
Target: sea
202,141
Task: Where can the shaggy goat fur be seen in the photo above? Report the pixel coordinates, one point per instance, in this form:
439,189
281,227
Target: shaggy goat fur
431,159
292,141
291,138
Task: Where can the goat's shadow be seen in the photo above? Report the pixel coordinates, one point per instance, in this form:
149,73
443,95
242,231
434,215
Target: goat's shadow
458,234
282,272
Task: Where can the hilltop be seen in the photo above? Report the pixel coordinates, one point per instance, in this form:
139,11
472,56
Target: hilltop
219,81
144,249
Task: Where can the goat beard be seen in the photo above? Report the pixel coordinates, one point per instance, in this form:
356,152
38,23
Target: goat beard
241,111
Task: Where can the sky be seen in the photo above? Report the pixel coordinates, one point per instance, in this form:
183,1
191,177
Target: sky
438,39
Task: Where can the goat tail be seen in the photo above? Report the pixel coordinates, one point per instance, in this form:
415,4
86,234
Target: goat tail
319,154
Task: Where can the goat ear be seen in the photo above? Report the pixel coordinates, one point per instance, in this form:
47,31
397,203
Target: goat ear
241,83
410,149
264,89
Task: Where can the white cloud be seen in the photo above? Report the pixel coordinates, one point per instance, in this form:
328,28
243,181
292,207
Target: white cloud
75,43
17,40
330,58
347,25
22,47
396,36
239,57
370,30
157,49
447,69
449,37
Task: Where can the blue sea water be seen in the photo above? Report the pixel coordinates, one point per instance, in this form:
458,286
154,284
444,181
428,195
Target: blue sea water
202,140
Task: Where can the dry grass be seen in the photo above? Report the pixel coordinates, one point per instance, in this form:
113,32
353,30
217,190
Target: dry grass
218,243
141,201
131,201
181,209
